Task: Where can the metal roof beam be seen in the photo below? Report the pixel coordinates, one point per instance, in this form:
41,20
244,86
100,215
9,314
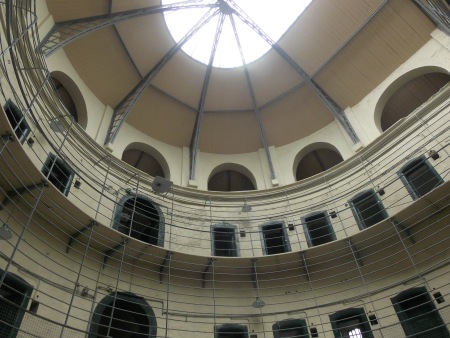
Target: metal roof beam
201,106
437,12
262,130
64,33
126,105
337,112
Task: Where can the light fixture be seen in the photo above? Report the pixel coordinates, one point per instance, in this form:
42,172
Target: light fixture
56,125
85,291
161,185
5,232
77,184
246,207
258,303
30,141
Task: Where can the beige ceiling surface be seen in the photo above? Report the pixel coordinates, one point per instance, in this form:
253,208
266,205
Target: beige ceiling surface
112,61
323,27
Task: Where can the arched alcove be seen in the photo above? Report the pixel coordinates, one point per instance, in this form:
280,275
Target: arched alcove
315,159
231,177
140,218
70,96
122,315
407,93
147,159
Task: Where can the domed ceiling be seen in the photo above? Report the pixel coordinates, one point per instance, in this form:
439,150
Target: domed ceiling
335,52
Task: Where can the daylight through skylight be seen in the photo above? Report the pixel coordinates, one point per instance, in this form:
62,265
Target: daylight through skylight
273,17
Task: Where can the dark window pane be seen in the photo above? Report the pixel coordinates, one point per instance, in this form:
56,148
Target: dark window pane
140,220
58,173
224,242
319,229
422,178
15,118
418,314
274,239
368,209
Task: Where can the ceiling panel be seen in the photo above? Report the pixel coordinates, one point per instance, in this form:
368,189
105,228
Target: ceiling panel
229,133
228,90
182,78
121,6
163,118
104,65
297,115
271,76
323,27
381,47
146,39
69,10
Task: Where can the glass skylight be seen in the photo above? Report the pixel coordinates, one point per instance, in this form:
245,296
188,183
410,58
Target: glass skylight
273,17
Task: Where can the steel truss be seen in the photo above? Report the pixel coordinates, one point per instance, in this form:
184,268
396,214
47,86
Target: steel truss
64,33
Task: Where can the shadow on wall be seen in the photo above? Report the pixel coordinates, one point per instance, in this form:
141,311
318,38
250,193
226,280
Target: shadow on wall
314,159
70,96
407,93
147,159
231,177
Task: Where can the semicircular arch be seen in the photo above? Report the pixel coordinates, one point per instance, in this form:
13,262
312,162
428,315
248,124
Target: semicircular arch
147,159
314,159
407,92
241,178
70,96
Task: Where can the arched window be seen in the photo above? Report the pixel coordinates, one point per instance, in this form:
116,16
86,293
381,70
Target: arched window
418,315
410,96
140,218
230,180
70,96
231,177
316,162
65,97
143,161
122,315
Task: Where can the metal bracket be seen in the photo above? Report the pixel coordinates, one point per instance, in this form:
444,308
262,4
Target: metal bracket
16,192
78,233
305,267
254,274
162,269
205,272
107,254
355,253
403,229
